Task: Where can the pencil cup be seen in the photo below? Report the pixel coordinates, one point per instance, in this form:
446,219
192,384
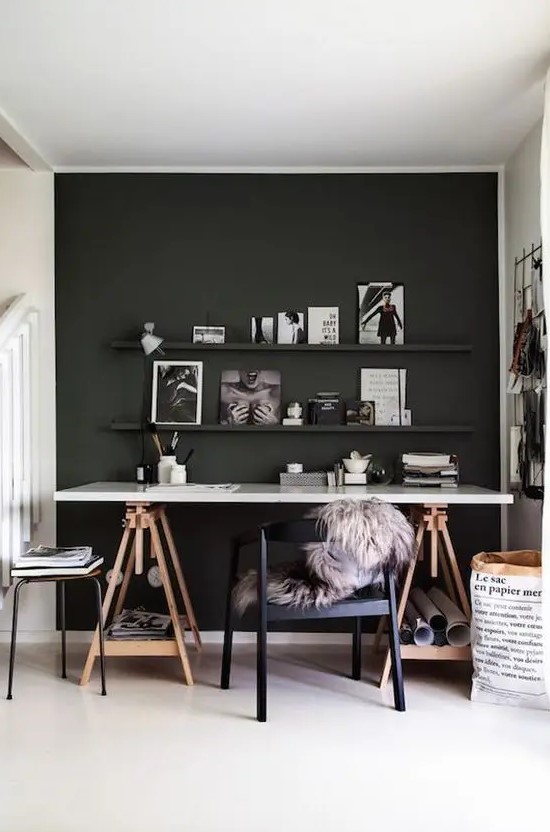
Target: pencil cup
164,468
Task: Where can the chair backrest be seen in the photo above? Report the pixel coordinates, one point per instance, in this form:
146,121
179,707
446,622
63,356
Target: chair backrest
293,531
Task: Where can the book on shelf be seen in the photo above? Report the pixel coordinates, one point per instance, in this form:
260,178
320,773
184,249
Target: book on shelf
387,388
34,571
325,409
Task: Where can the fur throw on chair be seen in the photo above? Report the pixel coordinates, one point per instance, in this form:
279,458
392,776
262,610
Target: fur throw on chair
361,540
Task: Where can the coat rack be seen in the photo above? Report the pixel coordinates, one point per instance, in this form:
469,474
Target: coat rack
528,375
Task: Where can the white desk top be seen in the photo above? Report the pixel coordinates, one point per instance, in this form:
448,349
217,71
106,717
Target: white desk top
129,492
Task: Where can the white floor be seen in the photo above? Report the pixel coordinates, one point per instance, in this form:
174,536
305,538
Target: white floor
155,756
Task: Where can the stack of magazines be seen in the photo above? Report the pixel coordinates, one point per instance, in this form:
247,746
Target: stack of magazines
49,560
429,469
140,624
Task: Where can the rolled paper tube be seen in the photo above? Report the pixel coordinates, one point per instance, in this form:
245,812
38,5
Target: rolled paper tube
458,626
428,610
423,635
406,633
440,638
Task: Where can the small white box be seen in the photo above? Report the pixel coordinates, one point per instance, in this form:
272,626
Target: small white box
355,479
288,421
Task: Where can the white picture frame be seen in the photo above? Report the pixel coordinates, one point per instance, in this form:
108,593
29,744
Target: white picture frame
209,335
323,325
177,393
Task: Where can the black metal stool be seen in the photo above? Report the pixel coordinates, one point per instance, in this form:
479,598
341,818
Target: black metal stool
60,580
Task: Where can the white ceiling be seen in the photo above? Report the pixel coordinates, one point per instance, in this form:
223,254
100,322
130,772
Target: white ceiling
271,83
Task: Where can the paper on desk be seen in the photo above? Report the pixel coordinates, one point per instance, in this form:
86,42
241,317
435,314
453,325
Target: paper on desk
194,486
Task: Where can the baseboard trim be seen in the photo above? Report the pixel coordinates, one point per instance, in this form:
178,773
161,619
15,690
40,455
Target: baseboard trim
208,637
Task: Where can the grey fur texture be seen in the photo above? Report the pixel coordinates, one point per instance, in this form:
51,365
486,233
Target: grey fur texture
361,539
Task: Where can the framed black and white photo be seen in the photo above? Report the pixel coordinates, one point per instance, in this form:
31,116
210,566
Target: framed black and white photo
360,412
290,327
381,313
250,397
209,335
177,393
261,330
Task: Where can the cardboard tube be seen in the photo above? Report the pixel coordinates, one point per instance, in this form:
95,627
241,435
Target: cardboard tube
458,626
406,633
423,635
428,610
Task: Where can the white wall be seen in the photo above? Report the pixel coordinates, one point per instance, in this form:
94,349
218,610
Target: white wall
27,265
522,208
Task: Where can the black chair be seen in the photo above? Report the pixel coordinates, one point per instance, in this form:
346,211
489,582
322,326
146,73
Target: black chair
364,604
60,581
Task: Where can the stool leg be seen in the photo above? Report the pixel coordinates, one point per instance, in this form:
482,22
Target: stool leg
101,635
14,634
63,630
356,650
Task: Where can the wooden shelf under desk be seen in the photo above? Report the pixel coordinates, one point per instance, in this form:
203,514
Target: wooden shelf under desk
432,653
141,647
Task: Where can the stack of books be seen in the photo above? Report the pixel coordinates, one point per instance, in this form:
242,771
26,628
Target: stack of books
48,560
325,409
429,469
140,624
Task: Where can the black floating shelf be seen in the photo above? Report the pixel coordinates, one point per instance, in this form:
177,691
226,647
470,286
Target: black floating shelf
128,426
169,346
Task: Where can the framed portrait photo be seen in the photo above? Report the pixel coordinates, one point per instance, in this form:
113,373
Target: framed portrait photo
290,327
381,313
209,335
177,393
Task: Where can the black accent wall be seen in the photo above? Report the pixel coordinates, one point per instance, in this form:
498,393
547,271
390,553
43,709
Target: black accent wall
184,249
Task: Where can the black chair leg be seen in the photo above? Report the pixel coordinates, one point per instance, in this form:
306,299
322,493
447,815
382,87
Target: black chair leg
14,635
395,647
261,636
229,617
356,650
101,635
63,630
